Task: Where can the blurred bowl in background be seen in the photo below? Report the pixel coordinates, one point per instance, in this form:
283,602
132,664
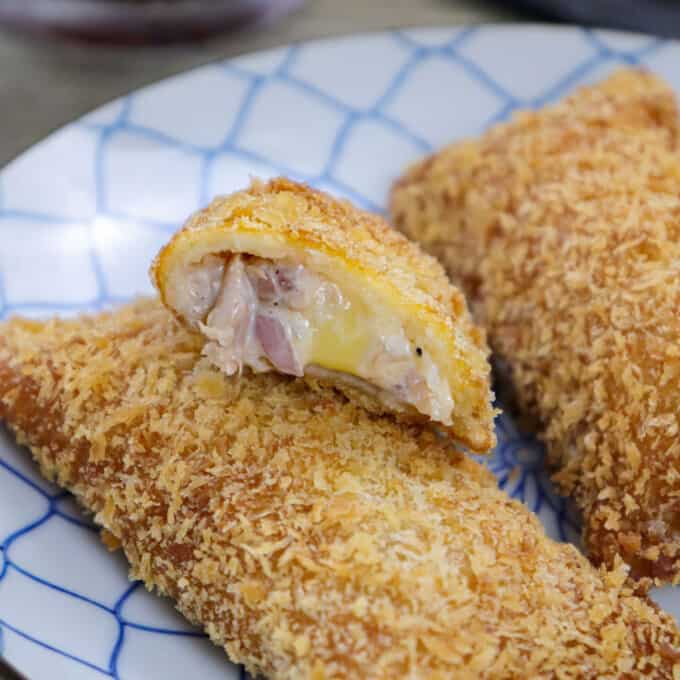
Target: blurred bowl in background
138,21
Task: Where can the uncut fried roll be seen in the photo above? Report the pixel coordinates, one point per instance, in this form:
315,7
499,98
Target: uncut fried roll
282,277
564,228
309,537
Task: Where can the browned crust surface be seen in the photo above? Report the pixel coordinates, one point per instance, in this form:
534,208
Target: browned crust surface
377,254
564,228
309,538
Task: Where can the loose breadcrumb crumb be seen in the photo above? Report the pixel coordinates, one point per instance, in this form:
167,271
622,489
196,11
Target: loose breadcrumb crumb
564,227
310,538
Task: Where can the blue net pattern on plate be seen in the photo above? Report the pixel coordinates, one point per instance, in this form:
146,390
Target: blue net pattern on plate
517,460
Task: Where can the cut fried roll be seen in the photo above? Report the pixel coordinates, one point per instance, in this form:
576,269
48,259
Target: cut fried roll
563,226
284,278
310,538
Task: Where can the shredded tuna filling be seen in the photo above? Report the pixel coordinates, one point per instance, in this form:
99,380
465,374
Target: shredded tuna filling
281,316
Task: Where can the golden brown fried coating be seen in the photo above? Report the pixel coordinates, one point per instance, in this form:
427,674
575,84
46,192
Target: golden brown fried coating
563,225
309,537
285,219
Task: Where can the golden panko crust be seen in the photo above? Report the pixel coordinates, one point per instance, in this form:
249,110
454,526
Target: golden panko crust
310,538
378,254
563,226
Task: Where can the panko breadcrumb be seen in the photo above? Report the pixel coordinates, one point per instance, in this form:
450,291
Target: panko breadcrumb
563,226
392,293
310,538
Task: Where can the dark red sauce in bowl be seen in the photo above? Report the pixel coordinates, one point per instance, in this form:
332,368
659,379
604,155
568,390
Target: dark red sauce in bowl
138,21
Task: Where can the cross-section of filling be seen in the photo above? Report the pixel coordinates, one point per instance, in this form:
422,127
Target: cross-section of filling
279,315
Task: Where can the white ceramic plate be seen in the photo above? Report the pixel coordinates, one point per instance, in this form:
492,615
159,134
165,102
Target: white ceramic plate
83,213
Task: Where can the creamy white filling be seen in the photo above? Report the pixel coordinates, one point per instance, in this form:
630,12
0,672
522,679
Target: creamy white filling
202,283
267,315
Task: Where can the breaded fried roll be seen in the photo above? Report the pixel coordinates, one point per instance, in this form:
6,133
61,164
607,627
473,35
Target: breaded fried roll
310,538
284,278
563,226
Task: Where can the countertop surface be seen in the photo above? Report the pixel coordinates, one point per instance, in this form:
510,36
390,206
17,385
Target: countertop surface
45,83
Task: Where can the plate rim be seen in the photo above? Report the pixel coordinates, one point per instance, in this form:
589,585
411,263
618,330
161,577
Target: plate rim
505,27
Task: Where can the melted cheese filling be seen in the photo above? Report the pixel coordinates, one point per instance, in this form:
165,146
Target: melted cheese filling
279,315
